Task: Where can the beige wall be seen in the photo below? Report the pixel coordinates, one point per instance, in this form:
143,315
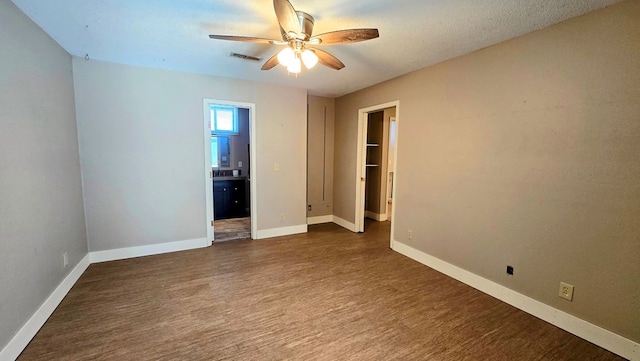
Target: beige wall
523,154
141,136
320,119
41,212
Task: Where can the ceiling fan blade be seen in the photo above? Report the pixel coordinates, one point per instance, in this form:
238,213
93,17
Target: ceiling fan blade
328,60
287,17
345,36
273,61
245,39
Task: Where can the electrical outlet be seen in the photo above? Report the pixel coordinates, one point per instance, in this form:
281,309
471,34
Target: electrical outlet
65,259
409,234
276,167
566,291
510,270
282,218
239,164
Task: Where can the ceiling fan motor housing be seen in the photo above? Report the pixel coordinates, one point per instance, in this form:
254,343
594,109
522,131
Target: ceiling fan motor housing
306,25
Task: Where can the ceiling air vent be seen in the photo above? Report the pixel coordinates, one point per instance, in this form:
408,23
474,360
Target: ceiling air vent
245,57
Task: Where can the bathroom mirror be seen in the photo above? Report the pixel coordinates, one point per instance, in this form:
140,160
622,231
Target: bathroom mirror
224,151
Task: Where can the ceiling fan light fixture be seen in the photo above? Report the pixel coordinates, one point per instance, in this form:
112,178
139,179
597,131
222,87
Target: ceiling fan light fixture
294,66
296,28
309,58
286,56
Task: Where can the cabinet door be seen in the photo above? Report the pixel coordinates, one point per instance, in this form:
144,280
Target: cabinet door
221,202
237,202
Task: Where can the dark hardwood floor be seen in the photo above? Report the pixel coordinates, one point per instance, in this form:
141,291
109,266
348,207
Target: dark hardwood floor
326,295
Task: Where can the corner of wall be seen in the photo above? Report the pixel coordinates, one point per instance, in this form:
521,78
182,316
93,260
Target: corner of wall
22,338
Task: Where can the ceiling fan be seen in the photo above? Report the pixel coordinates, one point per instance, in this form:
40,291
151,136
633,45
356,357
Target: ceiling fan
296,28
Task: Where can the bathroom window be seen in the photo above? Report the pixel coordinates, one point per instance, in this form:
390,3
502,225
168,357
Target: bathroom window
224,119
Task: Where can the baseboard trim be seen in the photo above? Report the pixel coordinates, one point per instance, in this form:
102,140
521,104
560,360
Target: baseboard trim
320,219
17,344
148,250
579,327
346,224
282,231
375,216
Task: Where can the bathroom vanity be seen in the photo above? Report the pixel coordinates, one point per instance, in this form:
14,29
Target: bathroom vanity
229,197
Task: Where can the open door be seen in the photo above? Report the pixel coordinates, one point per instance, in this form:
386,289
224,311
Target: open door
391,164
375,171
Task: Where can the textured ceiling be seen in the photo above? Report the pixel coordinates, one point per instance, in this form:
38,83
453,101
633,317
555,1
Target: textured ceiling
173,34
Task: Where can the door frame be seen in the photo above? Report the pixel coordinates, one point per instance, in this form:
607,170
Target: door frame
360,180
206,104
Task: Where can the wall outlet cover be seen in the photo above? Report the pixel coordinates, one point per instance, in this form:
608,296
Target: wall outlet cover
566,291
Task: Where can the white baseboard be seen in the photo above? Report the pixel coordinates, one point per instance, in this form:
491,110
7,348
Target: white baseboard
345,224
320,219
376,216
282,231
581,328
13,349
149,250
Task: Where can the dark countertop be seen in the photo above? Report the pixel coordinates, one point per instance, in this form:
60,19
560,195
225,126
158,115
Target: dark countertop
226,178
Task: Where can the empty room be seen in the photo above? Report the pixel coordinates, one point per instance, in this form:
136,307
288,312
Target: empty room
305,180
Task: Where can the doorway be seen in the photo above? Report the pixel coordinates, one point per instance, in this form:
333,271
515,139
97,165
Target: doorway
376,163
229,161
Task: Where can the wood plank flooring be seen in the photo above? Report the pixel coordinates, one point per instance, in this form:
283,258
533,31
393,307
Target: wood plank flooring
233,228
326,295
